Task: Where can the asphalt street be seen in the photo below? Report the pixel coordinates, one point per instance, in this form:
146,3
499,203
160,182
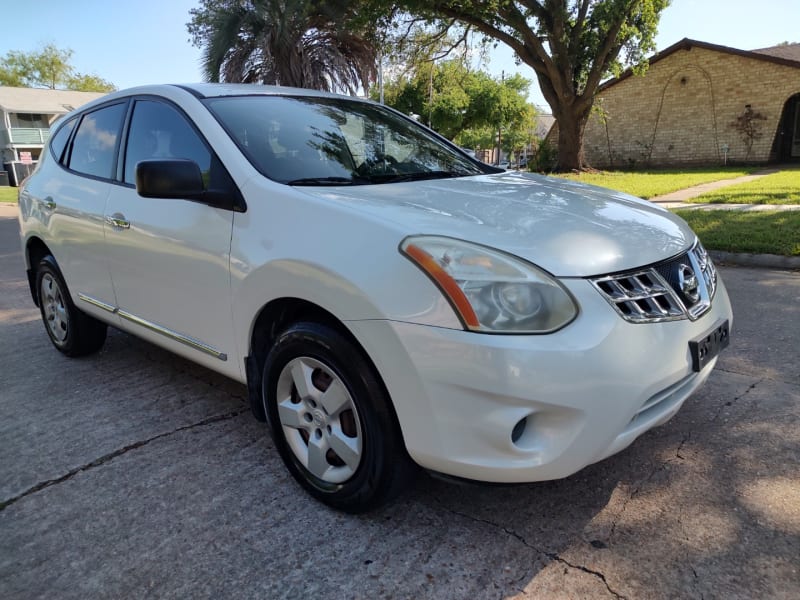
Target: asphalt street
134,473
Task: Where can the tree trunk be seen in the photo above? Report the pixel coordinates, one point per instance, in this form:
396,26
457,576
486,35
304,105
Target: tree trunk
571,126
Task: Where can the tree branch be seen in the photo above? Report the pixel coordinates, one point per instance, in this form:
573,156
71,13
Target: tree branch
608,53
577,29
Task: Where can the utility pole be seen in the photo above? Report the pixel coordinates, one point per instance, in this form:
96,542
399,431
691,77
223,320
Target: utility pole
380,74
430,95
500,125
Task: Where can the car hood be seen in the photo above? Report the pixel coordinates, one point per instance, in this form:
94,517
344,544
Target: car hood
567,228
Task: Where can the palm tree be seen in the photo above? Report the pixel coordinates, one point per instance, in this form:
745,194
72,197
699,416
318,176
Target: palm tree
300,43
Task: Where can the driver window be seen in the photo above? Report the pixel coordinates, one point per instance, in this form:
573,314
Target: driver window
159,131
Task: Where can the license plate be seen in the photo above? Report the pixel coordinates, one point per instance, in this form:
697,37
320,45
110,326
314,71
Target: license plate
708,345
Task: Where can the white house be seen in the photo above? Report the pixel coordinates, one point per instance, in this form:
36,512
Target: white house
26,115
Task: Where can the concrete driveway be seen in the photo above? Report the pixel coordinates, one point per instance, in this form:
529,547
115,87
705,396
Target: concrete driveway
135,474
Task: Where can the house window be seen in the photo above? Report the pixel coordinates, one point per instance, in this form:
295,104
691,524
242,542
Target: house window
32,120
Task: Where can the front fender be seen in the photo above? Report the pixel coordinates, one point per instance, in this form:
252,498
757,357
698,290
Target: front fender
290,244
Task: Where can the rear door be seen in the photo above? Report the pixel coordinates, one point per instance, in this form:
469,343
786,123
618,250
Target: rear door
71,203
169,259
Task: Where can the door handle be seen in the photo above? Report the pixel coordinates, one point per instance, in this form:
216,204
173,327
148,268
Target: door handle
118,221
48,203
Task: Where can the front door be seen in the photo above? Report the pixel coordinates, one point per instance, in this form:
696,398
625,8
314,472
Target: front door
169,258
796,131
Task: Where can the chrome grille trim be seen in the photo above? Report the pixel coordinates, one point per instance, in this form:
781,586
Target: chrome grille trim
652,294
641,296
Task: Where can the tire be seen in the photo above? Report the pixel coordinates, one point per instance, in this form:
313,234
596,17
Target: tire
71,331
332,419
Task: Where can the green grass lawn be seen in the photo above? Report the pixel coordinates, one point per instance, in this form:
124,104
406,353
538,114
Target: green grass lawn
778,188
8,194
646,184
762,232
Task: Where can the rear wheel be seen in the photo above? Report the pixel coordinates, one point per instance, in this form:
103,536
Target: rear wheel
332,420
72,332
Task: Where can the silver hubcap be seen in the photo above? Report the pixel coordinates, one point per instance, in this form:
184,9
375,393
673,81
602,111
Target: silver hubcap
319,419
55,313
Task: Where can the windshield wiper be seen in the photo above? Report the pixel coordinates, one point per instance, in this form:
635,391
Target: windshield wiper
420,176
324,181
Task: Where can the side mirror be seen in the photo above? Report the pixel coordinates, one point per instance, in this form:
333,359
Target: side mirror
169,178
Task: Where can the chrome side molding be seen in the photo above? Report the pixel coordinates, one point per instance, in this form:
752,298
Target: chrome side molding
178,337
97,303
174,335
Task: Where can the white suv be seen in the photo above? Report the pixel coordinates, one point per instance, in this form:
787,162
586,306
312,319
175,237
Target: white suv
388,300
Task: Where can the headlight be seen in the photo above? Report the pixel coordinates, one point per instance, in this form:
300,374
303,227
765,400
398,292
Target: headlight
492,291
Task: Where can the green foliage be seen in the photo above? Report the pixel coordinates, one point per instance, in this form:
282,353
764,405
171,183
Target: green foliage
571,45
314,44
544,157
81,82
477,138
779,188
48,68
749,127
648,184
757,232
8,194
464,105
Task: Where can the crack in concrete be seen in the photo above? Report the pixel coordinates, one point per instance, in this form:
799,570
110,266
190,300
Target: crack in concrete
631,496
720,408
685,439
775,379
551,555
119,452
749,389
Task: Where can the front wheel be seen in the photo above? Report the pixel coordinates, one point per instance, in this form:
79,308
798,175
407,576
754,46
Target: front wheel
332,420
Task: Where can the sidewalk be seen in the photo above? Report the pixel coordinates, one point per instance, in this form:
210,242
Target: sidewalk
679,198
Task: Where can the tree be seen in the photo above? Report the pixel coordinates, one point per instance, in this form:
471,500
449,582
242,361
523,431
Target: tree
314,44
520,135
748,125
48,68
464,105
81,82
572,45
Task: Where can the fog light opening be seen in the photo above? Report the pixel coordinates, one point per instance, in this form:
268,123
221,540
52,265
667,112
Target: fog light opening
519,429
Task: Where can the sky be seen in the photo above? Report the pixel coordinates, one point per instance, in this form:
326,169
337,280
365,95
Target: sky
145,41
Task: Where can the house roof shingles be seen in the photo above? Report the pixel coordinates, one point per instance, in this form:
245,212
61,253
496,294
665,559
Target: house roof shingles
32,100
785,51
788,55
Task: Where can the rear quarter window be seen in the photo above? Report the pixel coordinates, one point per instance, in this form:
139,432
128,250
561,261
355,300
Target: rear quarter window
59,141
95,144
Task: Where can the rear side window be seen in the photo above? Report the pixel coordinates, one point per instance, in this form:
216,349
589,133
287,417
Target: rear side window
59,141
158,130
95,143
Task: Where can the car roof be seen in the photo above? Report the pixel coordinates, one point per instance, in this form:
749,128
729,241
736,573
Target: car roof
212,90
215,90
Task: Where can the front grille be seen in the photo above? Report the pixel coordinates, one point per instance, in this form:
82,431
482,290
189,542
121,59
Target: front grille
678,288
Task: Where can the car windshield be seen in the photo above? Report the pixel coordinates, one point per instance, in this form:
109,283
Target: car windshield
335,141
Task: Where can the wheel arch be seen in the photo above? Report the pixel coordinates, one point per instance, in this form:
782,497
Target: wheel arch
274,317
35,251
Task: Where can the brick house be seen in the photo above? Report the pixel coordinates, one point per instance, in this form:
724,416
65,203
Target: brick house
684,110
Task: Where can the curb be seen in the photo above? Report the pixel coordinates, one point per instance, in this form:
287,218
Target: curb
764,261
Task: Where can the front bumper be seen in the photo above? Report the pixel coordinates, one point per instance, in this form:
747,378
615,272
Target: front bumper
575,396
